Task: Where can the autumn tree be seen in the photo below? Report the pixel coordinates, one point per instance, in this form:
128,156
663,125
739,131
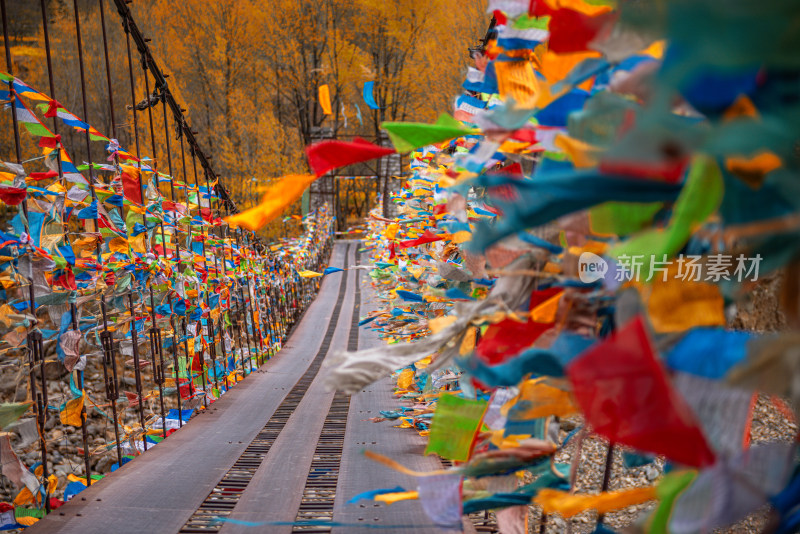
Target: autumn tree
249,72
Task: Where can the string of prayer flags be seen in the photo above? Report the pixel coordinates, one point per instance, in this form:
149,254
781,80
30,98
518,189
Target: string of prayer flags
90,255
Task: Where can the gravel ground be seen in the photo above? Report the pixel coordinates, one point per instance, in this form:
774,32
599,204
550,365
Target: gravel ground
65,443
769,425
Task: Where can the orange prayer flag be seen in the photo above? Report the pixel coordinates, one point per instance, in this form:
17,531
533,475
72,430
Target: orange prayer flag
516,79
536,400
118,244
581,6
562,502
325,99
280,196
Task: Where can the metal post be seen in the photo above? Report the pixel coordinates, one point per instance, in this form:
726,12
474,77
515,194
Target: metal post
10,70
79,42
110,374
607,474
137,367
36,359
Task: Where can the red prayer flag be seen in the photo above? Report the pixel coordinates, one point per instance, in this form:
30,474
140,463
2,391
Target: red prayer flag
185,389
36,176
65,280
131,187
12,195
328,155
525,135
426,237
509,337
625,395
205,213
52,109
572,31
669,170
49,142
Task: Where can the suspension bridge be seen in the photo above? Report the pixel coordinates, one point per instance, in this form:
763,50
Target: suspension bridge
194,315
277,449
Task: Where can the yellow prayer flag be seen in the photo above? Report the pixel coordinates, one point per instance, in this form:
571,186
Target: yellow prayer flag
438,324
582,154
546,311
391,231
71,414
405,379
462,236
468,341
753,170
137,243
678,305
390,498
555,67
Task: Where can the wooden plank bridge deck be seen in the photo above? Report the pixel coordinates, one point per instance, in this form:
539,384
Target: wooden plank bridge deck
276,448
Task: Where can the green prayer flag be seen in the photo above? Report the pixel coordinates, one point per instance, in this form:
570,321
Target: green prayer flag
699,198
454,425
11,411
622,218
668,490
408,136
527,21
182,366
20,511
132,218
36,129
